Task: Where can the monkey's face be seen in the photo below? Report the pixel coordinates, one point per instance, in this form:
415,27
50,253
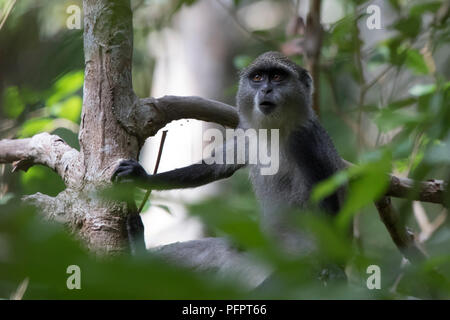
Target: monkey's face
272,95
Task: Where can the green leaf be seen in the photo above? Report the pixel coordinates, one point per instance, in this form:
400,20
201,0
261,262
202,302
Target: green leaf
69,109
395,50
370,183
70,137
343,34
13,105
416,62
422,89
65,86
402,103
329,186
36,125
189,2
242,61
370,108
420,9
261,33
180,4
41,179
234,217
388,119
409,27
380,56
395,4
164,207
42,251
334,244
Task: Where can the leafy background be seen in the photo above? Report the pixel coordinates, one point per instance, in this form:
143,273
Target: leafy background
41,81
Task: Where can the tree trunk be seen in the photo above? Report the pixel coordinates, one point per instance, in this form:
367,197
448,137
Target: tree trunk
114,125
108,49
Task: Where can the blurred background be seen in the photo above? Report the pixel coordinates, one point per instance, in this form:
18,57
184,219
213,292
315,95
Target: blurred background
383,98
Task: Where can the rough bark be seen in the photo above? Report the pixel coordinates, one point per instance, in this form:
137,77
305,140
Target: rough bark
403,238
146,116
427,191
108,46
45,149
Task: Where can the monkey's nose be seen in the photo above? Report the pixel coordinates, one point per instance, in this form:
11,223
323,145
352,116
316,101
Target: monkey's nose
266,90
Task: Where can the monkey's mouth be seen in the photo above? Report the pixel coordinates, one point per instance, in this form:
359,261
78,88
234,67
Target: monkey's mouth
267,107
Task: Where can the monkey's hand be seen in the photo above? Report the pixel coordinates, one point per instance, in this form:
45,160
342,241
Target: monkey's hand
130,171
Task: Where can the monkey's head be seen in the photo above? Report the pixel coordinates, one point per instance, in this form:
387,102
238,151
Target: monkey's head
274,92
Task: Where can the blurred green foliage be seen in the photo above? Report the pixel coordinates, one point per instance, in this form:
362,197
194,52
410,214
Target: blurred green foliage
407,113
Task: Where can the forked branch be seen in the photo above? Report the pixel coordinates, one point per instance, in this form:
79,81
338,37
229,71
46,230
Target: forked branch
45,149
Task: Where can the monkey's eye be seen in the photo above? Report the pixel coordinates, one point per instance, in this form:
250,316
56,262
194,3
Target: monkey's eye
257,77
277,77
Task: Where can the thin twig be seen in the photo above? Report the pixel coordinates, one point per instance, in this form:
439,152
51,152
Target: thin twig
158,159
21,289
313,45
8,11
240,24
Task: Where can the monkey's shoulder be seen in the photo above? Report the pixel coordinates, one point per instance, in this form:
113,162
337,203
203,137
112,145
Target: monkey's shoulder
315,155
312,149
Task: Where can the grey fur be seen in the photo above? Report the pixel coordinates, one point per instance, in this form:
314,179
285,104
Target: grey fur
291,186
216,255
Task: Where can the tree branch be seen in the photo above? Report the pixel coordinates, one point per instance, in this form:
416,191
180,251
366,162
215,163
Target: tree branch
151,114
50,207
403,238
313,46
428,191
45,149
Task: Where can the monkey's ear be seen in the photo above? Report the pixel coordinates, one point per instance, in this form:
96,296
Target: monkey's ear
305,77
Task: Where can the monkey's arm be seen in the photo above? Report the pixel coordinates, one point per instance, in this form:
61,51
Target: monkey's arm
191,176
188,177
130,171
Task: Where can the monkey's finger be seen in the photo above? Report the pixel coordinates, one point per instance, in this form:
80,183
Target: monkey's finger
123,175
120,172
118,177
124,166
128,166
116,172
128,162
